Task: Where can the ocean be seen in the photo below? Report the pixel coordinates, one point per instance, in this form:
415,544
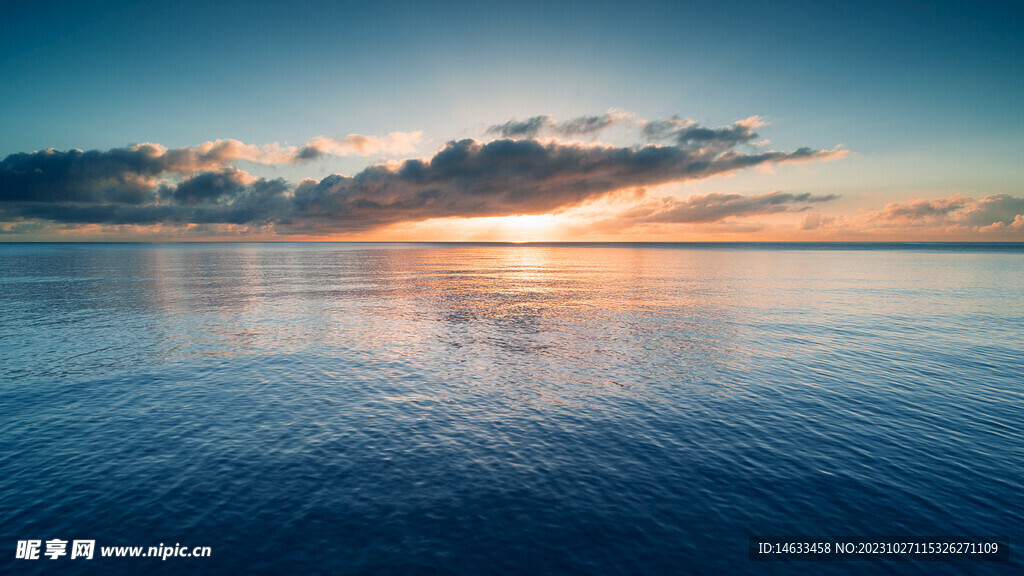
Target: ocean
507,409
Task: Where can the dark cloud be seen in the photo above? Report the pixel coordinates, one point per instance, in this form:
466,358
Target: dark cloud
587,124
690,134
526,128
506,177
580,126
208,187
674,130
128,175
120,175
716,207
230,197
309,153
123,175
662,130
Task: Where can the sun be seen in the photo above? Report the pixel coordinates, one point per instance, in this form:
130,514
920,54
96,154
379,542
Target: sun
526,228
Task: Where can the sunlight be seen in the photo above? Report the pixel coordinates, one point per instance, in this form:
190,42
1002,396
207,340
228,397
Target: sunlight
522,229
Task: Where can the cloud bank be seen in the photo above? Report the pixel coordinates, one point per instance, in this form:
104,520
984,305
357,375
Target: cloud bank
515,174
995,210
715,207
996,217
513,177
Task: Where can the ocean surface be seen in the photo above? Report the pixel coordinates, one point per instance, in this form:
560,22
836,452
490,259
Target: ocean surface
507,409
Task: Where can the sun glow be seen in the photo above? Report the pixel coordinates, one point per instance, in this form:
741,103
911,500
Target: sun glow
521,229
517,229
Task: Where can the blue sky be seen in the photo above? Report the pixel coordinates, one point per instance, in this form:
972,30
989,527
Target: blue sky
927,97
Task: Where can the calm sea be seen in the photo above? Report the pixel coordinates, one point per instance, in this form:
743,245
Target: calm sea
507,409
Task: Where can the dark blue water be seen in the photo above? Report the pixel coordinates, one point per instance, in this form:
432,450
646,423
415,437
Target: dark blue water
420,409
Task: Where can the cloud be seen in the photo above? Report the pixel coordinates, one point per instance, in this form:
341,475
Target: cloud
526,128
920,211
122,175
716,207
584,125
814,221
690,134
230,196
579,126
998,209
148,183
512,177
395,143
129,175
218,153
674,130
957,217
208,187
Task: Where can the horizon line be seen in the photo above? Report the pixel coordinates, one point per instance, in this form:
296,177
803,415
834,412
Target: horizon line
529,243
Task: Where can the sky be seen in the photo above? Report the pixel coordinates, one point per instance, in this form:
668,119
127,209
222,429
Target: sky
512,121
